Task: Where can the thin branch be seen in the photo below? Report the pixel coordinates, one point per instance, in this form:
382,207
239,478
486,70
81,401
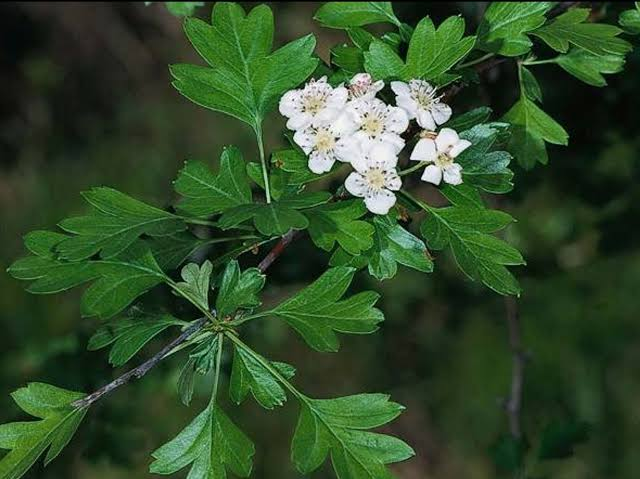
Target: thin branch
277,250
141,370
513,404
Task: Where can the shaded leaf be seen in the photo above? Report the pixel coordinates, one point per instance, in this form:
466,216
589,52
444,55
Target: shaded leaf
238,290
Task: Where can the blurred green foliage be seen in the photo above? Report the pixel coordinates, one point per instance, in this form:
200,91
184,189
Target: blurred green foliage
89,103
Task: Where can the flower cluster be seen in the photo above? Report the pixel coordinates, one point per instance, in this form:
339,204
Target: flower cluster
350,124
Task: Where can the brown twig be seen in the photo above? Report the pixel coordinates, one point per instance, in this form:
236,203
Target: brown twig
277,250
141,370
513,404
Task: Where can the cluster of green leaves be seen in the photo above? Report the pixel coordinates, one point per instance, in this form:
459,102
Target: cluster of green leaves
588,50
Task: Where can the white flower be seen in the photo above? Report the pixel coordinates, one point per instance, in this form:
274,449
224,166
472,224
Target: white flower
317,104
362,87
418,98
378,123
325,145
441,150
375,178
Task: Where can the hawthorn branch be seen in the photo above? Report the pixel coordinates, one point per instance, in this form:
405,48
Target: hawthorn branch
141,370
513,404
277,250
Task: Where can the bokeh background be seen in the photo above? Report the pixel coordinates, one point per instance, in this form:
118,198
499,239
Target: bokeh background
85,100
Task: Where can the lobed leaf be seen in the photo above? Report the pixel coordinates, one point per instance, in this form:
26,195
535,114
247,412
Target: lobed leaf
317,312
27,441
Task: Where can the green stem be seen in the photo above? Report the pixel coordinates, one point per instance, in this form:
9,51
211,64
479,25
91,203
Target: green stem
476,61
540,62
180,293
213,224
263,162
226,239
267,365
216,378
239,321
412,169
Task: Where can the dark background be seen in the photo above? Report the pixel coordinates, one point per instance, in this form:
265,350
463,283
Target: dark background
85,100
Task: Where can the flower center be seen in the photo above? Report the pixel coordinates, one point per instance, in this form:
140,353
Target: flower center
313,104
375,178
443,160
372,125
325,141
424,99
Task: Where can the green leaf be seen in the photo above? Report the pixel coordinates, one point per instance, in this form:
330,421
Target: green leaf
560,438
173,250
382,62
116,222
595,38
295,162
462,195
276,218
530,85
630,20
26,441
482,167
393,245
239,290
355,14
211,444
531,128
338,427
317,312
183,9
249,374
206,193
348,58
433,52
196,283
244,79
338,222
505,26
479,255
469,119
589,68
118,281
128,336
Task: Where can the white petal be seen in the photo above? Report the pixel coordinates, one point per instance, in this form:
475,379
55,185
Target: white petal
459,148
425,150
432,174
356,184
400,88
409,105
384,154
326,116
441,112
305,139
343,125
380,202
377,86
338,97
290,103
391,138
320,163
392,181
453,174
425,119
360,163
397,120
299,121
347,149
446,139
